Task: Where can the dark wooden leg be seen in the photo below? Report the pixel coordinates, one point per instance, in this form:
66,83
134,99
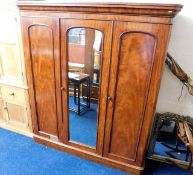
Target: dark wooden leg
87,92
78,98
98,76
88,95
75,93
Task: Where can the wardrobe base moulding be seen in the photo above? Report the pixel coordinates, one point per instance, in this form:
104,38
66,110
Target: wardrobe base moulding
88,155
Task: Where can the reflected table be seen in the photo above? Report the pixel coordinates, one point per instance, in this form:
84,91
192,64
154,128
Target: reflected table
77,79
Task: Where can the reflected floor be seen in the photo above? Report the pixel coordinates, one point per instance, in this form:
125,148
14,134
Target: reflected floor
83,128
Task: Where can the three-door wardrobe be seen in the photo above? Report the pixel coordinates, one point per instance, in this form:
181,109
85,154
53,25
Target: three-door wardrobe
94,71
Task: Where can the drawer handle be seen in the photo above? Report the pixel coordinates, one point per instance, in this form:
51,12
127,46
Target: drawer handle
12,94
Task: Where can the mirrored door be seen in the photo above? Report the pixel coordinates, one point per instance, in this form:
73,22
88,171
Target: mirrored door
84,64
85,69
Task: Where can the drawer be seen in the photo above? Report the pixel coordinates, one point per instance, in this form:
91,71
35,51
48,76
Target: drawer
15,94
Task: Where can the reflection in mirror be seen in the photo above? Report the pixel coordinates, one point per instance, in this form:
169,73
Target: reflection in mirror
84,64
169,137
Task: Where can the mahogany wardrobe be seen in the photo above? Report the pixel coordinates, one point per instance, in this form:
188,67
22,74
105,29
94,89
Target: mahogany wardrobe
94,71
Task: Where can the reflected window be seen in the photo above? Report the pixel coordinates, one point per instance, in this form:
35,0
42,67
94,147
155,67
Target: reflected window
77,36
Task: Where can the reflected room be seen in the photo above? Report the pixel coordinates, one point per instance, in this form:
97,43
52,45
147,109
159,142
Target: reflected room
84,65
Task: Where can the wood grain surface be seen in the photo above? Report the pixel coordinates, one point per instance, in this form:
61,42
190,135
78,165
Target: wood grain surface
40,48
135,39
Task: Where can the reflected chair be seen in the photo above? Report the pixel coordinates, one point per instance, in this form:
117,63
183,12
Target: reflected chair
77,81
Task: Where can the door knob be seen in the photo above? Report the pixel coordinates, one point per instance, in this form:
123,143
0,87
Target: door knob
62,88
110,98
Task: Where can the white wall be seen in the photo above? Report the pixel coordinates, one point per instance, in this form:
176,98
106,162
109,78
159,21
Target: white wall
181,48
8,29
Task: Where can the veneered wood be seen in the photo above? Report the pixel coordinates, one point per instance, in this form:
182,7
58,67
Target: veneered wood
41,45
132,61
100,16
134,48
119,8
163,34
133,56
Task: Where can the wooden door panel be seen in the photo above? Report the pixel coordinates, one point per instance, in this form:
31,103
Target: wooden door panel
132,61
134,72
41,44
131,92
41,47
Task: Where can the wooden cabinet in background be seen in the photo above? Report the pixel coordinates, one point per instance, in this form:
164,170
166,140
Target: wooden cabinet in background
134,44
16,114
10,69
14,107
14,110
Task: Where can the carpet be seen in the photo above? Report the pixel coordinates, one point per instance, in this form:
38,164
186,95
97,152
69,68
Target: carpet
83,128
20,155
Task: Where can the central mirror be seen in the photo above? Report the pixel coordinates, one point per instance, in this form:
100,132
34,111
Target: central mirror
84,65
